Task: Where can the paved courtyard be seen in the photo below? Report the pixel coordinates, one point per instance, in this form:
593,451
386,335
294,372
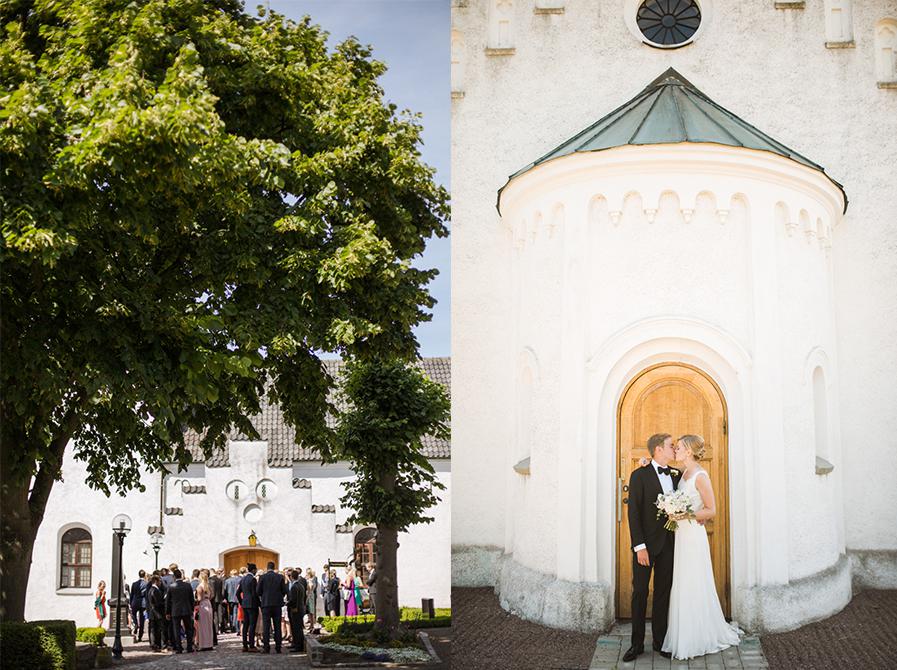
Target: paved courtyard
228,655
610,648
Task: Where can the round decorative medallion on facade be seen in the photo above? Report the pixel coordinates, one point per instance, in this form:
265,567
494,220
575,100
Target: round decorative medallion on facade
666,24
266,490
237,490
252,513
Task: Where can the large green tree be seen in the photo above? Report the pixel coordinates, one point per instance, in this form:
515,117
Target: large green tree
391,407
194,203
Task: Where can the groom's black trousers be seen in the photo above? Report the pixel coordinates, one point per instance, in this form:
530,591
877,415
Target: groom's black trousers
662,565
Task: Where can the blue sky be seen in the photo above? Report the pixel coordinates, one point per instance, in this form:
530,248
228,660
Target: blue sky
412,38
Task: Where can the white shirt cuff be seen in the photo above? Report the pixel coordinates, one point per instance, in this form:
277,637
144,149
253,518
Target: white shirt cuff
639,548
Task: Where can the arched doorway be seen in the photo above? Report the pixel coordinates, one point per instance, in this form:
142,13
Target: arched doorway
678,399
239,557
365,551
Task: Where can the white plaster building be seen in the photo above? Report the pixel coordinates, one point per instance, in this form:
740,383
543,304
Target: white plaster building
280,491
674,267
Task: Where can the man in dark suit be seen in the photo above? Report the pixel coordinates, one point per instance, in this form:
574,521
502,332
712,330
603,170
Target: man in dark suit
217,586
179,610
138,605
247,594
332,595
155,603
272,589
372,586
168,626
652,544
296,596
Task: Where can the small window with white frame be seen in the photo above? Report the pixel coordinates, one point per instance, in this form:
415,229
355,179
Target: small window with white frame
76,559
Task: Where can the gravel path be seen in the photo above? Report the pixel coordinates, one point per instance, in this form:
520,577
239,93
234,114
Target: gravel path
488,638
863,636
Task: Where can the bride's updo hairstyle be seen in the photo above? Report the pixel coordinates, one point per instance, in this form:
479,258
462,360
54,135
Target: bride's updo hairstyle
695,444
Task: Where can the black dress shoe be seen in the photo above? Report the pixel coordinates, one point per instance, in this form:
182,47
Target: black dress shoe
665,654
633,653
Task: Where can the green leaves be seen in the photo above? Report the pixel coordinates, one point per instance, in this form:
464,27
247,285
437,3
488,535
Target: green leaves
194,203
392,406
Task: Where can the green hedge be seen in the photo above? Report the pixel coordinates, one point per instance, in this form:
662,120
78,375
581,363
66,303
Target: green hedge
412,617
37,645
94,636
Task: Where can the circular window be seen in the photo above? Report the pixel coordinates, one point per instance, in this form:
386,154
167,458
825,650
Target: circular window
252,513
266,490
238,491
668,23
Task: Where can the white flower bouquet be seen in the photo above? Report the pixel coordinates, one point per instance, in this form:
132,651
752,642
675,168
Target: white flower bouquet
675,503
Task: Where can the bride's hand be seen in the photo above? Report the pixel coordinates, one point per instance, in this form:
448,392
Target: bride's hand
643,461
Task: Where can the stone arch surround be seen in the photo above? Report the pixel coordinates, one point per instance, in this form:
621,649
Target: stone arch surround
580,596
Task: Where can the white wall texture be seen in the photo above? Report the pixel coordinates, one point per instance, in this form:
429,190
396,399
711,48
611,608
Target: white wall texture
213,523
555,291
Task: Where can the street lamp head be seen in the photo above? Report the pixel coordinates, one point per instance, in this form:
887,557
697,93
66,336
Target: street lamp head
121,524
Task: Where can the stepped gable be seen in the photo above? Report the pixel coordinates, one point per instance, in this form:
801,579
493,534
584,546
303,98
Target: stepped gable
670,110
283,452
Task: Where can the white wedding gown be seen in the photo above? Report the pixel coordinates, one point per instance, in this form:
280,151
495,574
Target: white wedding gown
696,624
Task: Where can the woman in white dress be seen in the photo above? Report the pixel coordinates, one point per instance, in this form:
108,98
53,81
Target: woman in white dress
696,622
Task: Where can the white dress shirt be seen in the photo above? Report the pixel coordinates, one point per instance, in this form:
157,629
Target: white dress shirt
666,482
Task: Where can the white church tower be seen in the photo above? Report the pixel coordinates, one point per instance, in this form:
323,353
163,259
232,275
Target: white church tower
674,267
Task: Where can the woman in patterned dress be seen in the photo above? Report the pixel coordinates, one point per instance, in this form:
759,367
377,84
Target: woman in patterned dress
99,604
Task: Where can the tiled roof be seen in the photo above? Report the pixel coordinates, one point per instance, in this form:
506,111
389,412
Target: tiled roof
282,450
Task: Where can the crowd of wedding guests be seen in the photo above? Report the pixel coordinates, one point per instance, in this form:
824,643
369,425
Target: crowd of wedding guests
256,605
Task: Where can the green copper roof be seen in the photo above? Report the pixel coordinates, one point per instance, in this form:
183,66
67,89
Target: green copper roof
670,110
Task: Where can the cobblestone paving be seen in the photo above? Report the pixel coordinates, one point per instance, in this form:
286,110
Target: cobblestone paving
862,636
489,638
228,655
610,648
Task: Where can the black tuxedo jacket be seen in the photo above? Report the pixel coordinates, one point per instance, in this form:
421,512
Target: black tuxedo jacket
155,601
179,600
247,592
297,595
217,586
644,526
272,589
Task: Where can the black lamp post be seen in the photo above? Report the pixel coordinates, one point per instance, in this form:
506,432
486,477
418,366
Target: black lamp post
121,526
158,541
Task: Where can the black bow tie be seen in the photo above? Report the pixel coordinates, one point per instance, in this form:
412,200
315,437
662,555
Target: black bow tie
663,471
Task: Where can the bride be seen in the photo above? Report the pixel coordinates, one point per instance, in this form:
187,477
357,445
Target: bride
696,623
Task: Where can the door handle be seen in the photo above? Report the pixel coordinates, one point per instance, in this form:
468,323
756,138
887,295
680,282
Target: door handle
620,500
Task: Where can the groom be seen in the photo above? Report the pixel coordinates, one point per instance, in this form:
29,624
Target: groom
652,544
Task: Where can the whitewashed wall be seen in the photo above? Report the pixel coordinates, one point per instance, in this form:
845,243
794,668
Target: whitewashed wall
833,306
212,523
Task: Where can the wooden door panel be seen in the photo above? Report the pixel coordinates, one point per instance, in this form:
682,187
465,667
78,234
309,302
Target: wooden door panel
676,399
239,558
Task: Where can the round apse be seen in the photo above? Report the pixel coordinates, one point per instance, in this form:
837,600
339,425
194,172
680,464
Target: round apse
668,23
252,513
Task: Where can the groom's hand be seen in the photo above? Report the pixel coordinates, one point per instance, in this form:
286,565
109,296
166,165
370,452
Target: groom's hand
642,557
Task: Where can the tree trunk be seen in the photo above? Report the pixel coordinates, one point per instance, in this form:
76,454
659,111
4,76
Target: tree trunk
16,547
23,512
387,600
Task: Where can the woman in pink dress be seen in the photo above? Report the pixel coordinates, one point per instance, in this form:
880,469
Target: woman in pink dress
349,585
205,621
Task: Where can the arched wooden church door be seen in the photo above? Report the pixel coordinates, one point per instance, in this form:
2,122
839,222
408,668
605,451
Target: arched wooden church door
239,557
678,399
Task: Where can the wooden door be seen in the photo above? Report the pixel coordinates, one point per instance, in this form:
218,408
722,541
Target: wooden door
239,558
677,399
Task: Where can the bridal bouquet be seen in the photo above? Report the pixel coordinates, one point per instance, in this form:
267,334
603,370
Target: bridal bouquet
673,503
